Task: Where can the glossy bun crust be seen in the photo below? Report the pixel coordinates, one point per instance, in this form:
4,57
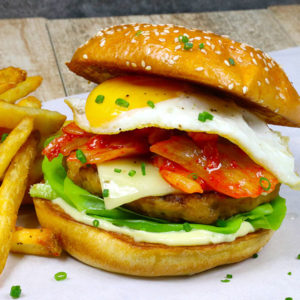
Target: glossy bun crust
121,254
248,75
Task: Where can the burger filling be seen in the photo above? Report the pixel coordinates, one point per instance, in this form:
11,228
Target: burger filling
165,162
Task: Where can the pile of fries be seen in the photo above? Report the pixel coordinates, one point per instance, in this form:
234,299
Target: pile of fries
23,128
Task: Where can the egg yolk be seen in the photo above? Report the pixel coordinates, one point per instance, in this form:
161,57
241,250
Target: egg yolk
115,96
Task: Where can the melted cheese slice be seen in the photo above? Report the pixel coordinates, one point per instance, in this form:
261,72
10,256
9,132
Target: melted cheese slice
124,188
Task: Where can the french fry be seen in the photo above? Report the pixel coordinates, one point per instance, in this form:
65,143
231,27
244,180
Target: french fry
45,121
11,194
37,241
6,86
16,138
22,89
30,101
12,75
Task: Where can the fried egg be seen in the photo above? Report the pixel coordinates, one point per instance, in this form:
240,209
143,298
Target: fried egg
135,102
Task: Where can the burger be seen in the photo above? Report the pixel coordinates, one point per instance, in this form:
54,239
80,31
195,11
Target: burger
169,167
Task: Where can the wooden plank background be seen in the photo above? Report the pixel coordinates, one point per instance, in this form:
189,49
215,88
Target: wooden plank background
25,43
43,46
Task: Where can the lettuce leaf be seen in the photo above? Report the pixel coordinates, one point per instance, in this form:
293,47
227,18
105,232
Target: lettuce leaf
266,216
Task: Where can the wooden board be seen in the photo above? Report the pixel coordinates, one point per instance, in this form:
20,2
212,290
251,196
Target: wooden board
289,18
25,43
256,27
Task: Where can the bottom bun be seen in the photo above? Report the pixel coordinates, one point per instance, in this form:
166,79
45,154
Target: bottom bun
121,254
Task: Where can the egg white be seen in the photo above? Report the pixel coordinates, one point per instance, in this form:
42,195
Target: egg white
265,146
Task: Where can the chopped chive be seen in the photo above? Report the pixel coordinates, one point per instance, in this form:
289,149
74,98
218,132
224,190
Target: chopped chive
139,32
229,276
143,167
122,102
201,45
183,39
117,170
188,46
231,61
298,257
15,291
194,176
264,179
255,255
187,227
202,117
288,298
96,223
289,273
105,193
3,137
225,280
151,104
131,173
99,99
80,156
60,276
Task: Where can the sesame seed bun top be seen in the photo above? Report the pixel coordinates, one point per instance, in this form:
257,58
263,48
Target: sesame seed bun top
251,77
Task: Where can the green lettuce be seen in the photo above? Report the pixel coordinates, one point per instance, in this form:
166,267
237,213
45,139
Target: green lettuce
265,216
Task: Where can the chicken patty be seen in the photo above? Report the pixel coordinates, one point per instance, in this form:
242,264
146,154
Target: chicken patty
204,208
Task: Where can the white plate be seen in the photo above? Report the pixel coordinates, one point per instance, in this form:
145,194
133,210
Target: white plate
262,278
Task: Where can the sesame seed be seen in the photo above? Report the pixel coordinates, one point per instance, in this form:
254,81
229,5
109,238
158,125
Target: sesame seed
208,43
177,47
276,110
281,96
258,83
225,36
176,31
254,60
266,69
203,51
197,38
162,40
226,62
133,41
176,40
220,42
143,64
259,56
230,86
148,68
239,59
166,56
171,62
267,80
243,46
231,47
127,33
85,56
175,57
148,51
185,34
218,52
133,65
207,38
251,54
270,65
199,69
102,43
156,33
245,89
166,31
